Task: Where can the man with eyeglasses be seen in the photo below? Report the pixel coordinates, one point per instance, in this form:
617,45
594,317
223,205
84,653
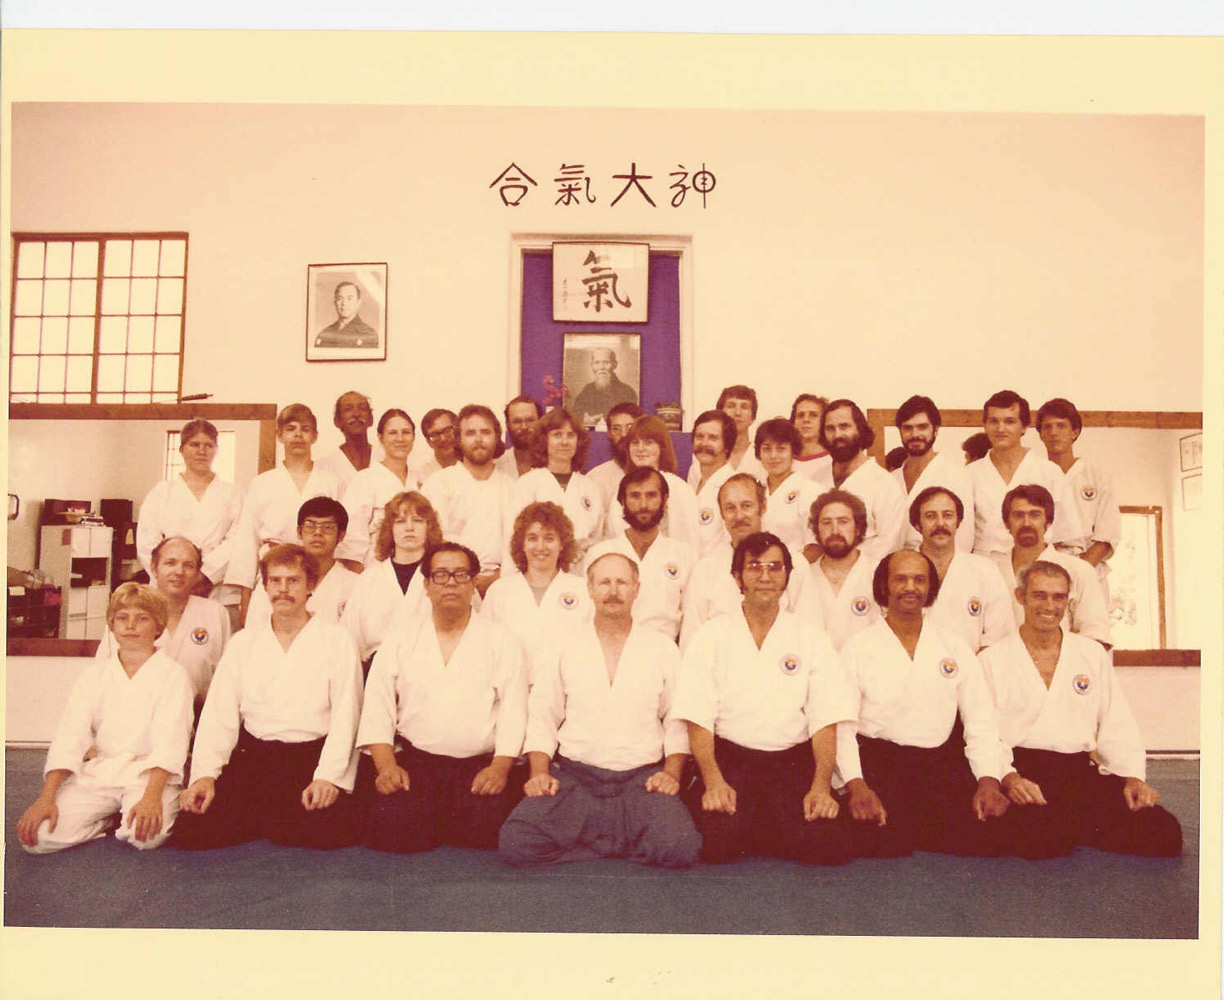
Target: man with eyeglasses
607,475
441,430
322,523
444,717
762,692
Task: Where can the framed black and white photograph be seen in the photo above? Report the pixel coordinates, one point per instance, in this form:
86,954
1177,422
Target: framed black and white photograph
601,370
346,312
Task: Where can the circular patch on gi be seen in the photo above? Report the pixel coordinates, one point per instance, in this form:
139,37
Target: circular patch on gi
199,635
586,503
789,664
568,600
792,496
1088,492
860,606
673,570
947,667
706,516
1082,684
974,607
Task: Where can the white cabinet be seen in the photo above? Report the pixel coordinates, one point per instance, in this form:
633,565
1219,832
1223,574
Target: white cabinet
77,558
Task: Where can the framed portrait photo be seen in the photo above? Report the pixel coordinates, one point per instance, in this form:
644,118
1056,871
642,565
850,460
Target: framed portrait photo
346,312
601,370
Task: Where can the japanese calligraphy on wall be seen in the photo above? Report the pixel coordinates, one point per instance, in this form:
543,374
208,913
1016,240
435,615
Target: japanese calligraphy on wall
573,186
600,282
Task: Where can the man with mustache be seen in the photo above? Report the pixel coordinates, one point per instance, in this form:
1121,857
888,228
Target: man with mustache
713,438
605,753
522,415
973,600
473,498
918,420
1028,511
847,436
440,428
712,589
353,418
837,593
664,564
607,475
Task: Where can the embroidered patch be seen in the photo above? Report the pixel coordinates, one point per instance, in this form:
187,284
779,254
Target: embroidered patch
974,607
199,635
586,503
1082,684
1088,492
947,667
860,606
792,496
673,570
789,663
706,516
568,600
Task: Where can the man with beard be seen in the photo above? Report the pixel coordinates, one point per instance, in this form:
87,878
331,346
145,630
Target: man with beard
604,390
475,501
847,436
607,475
353,418
837,592
918,420
601,703
739,402
712,589
713,438
664,564
1028,511
973,600
763,694
440,428
522,415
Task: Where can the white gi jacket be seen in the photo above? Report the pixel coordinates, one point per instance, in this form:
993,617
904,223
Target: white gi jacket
364,499
990,534
680,519
618,726
887,511
663,573
328,600
973,601
711,531
1083,710
1086,611
210,523
510,602
844,612
949,473
474,512
308,692
376,601
788,509
580,500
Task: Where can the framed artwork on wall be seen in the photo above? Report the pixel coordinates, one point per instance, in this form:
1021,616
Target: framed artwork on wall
601,370
346,312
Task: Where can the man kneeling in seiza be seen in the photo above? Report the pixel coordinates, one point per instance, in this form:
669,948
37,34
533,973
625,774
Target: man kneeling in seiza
1059,701
602,697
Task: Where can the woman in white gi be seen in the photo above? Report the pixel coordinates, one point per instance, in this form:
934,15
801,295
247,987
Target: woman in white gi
543,595
649,446
196,504
367,493
196,629
790,492
134,708
392,588
558,451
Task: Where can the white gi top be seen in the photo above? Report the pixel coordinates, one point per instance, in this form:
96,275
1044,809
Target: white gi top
338,464
375,603
474,512
364,498
308,692
619,725
1083,710
914,702
511,602
788,508
607,476
425,464
887,511
990,534
973,602
328,601
817,469
508,463
196,645
770,698
949,473
711,531
580,500
664,574
171,509
1086,611
136,723
269,517
1096,503
475,704
680,520
712,590
844,612
750,464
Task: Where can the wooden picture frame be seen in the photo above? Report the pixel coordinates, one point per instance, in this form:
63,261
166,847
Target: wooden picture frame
346,312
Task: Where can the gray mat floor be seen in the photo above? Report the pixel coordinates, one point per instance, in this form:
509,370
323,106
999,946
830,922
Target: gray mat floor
1090,894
